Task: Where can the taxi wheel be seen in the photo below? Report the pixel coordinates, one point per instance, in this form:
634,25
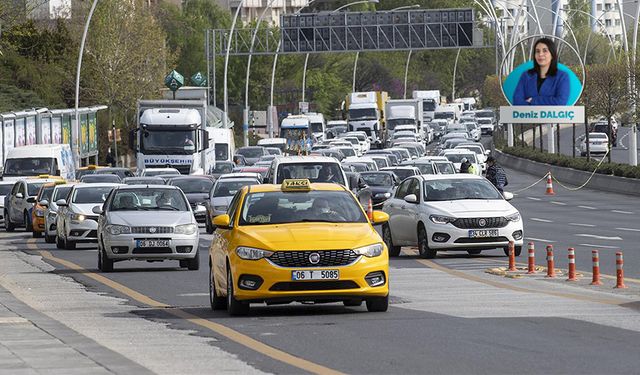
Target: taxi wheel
234,307
27,223
423,245
394,251
49,239
378,304
352,303
8,225
517,250
217,302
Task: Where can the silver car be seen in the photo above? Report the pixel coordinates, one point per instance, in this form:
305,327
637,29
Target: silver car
51,211
147,222
220,196
450,212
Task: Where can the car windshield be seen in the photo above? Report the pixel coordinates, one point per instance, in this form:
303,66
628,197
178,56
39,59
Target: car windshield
60,192
457,158
347,151
425,168
316,127
314,171
274,151
162,141
223,167
403,173
484,114
377,179
145,199
228,188
143,181
193,185
485,121
443,115
91,195
597,136
93,178
5,189
358,167
33,188
457,189
84,172
45,193
363,114
250,152
475,149
29,166
392,123
445,168
312,206
222,151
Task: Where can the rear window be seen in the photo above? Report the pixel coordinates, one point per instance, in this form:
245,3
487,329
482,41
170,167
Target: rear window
91,195
32,189
5,189
61,192
315,172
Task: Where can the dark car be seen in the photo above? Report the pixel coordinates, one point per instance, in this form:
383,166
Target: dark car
359,188
382,185
120,172
143,181
252,153
101,178
197,189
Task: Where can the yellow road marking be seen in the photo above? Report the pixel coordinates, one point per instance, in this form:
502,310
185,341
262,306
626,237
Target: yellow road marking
220,329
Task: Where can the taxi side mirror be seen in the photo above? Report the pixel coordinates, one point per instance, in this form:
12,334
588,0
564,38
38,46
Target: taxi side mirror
379,217
222,221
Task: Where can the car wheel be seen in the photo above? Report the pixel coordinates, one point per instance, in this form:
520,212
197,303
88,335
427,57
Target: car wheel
59,243
423,245
378,304
474,252
27,222
69,245
194,263
35,234
104,263
49,239
217,302
234,307
183,263
352,303
8,225
517,251
394,251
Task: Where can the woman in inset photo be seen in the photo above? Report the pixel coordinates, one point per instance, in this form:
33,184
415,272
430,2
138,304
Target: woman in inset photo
545,84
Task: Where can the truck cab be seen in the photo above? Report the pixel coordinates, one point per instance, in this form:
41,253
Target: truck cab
318,124
366,113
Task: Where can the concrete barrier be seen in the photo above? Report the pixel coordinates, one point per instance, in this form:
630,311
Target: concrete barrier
570,176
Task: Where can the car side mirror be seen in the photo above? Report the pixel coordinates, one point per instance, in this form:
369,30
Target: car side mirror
507,195
411,198
19,195
265,180
379,217
31,199
61,202
222,221
44,203
97,210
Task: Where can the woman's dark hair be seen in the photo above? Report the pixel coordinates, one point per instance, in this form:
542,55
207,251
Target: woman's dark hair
551,45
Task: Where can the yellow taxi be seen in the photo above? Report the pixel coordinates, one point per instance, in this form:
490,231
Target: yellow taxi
297,242
38,212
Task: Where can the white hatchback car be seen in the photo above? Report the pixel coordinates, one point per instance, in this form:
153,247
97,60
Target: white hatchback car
450,212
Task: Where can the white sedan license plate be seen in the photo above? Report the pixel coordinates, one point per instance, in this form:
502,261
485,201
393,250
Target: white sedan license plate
483,233
152,243
315,275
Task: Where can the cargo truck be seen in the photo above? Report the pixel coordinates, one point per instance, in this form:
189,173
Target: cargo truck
365,112
431,100
403,112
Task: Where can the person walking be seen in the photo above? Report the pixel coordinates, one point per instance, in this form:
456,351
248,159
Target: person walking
464,165
111,161
496,174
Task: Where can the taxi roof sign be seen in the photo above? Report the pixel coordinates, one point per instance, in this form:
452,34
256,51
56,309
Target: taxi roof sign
299,184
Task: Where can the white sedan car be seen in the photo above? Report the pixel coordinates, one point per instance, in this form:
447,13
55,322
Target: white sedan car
598,144
147,222
450,212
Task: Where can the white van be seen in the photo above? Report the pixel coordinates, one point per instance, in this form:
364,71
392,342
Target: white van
318,124
35,160
225,145
279,143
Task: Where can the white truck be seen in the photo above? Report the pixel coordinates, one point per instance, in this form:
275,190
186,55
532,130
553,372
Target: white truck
403,112
430,102
175,134
366,113
318,124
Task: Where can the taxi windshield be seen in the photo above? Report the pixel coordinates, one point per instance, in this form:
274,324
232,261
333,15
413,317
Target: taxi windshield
45,193
295,207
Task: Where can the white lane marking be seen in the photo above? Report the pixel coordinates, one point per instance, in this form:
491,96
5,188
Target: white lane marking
582,225
622,212
588,207
616,238
629,229
534,199
602,246
539,239
193,294
558,203
540,220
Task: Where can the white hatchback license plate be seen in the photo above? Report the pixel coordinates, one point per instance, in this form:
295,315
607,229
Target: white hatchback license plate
152,243
315,275
483,233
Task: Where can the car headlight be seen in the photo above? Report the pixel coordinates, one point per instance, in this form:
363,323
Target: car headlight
186,229
513,217
39,213
220,208
200,208
250,253
370,251
382,195
78,217
118,229
439,219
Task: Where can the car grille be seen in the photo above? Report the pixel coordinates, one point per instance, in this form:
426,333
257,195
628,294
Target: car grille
313,285
328,258
147,230
474,222
482,240
151,250
93,234
183,169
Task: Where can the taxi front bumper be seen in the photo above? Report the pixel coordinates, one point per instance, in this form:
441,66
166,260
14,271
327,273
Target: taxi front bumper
275,284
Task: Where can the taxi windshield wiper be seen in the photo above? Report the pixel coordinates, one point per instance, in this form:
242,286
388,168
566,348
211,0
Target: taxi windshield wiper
319,221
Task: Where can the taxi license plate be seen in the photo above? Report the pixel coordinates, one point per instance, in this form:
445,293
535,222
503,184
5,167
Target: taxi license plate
483,233
315,275
152,243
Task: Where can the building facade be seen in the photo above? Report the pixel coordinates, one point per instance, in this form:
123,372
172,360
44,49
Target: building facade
252,9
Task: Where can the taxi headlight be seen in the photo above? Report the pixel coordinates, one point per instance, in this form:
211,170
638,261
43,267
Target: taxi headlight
118,229
39,213
513,217
370,251
77,217
220,208
186,229
439,219
250,253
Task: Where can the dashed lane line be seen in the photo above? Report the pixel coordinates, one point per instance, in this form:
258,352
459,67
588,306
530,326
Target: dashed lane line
539,239
540,220
629,229
622,212
597,246
558,203
587,207
615,238
220,329
582,225
534,198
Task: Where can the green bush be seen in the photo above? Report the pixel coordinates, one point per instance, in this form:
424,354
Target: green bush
615,169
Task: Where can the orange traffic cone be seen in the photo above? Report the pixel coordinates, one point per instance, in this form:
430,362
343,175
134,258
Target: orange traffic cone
549,185
370,210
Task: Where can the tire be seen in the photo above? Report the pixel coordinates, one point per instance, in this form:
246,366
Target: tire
234,307
28,227
216,302
8,225
183,263
69,245
59,243
352,303
104,263
378,304
423,245
49,239
517,250
394,251
194,264
35,234
474,252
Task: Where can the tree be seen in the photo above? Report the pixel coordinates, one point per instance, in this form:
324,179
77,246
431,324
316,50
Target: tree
491,93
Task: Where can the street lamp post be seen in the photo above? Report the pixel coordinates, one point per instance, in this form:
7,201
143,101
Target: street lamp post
245,125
